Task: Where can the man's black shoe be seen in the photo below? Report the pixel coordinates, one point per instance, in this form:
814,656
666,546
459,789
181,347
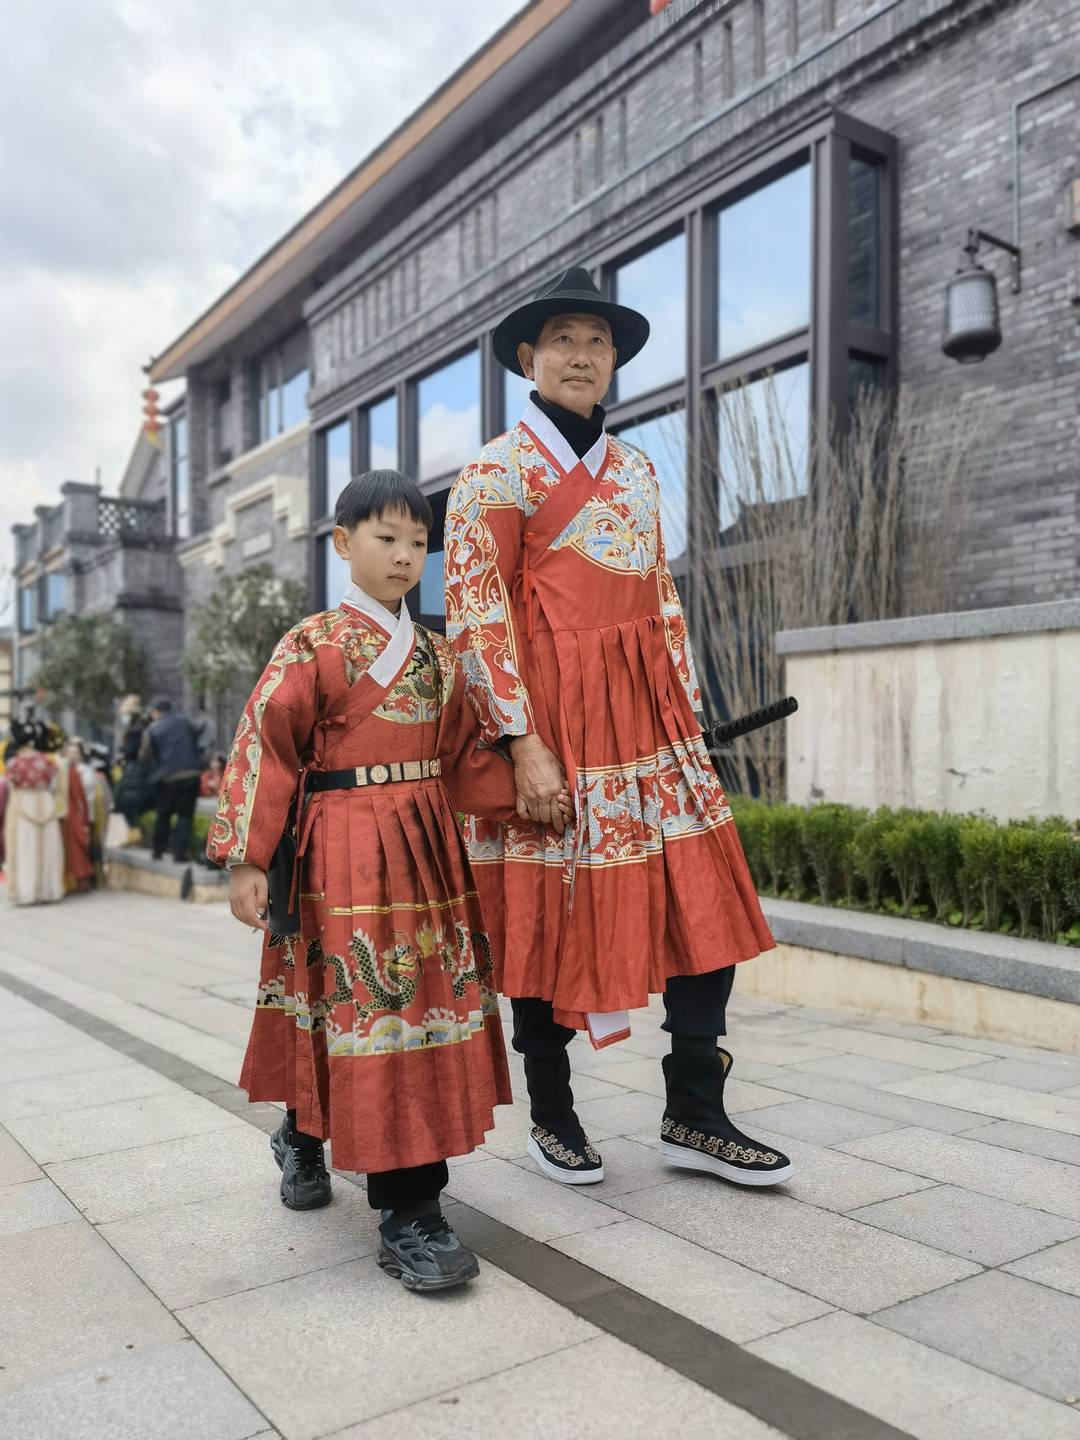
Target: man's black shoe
425,1254
696,1134
305,1181
570,1161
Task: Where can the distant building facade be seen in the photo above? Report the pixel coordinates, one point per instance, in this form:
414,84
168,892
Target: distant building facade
783,186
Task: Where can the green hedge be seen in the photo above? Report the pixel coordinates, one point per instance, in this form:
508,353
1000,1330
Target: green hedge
200,828
1022,878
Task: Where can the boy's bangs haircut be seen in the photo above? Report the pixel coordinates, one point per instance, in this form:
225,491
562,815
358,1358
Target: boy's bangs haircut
381,492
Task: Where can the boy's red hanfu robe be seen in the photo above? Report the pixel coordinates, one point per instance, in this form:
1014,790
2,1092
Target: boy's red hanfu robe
378,1023
567,623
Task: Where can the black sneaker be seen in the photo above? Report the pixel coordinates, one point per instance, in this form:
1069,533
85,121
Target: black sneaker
305,1181
570,1162
425,1254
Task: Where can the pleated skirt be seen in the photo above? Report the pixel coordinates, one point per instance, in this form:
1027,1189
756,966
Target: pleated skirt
651,880
379,1022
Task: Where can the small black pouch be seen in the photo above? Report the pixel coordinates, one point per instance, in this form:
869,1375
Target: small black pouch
282,882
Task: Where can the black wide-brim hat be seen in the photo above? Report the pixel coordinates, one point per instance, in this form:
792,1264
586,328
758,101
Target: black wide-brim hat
571,293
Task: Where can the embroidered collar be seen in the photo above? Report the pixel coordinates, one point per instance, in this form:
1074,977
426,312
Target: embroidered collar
553,440
386,668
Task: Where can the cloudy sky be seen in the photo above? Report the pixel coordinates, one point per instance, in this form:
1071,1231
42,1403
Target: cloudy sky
149,153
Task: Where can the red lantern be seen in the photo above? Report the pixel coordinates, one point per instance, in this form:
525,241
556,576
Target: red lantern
152,420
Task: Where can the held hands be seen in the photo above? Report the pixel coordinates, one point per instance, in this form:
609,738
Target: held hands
542,791
247,895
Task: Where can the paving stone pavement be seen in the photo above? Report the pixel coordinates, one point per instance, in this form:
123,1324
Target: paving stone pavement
919,1276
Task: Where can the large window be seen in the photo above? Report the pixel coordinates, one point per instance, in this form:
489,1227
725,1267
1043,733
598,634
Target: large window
763,433
181,476
333,573
27,608
282,381
663,439
428,601
655,284
516,392
336,447
448,416
382,435
763,254
54,595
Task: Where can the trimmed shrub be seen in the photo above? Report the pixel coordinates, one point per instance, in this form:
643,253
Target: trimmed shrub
826,831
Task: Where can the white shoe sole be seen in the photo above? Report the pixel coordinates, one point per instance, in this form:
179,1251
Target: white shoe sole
685,1159
564,1177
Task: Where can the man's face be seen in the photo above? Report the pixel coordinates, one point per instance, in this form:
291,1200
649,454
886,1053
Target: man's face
386,555
572,361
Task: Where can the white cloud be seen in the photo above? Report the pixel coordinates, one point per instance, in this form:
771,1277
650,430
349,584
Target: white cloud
150,153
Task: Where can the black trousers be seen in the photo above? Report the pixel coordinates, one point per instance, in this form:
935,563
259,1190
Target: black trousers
693,1005
397,1189
175,797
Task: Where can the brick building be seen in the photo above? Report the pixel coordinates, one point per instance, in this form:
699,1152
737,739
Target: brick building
782,185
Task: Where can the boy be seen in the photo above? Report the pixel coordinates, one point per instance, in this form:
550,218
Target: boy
377,1024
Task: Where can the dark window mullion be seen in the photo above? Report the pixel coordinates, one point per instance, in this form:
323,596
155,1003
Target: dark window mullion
777,356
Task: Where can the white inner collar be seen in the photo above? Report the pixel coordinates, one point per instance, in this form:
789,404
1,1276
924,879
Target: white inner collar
386,667
556,443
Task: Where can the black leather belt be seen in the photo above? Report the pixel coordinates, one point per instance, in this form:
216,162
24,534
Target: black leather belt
392,774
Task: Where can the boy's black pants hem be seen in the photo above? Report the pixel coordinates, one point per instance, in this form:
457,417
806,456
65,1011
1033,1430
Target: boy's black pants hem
403,1189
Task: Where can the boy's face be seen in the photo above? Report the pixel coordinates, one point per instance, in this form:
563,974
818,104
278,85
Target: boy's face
386,555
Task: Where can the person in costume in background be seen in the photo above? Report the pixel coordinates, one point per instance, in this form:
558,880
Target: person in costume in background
74,812
91,762
133,791
377,1025
571,635
33,842
210,779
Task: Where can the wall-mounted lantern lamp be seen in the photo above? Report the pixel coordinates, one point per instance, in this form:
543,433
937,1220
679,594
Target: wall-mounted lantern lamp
972,324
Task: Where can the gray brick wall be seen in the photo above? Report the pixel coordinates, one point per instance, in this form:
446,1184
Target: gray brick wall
940,75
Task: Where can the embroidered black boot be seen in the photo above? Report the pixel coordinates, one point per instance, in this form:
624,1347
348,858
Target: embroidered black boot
696,1134
305,1181
557,1143
418,1247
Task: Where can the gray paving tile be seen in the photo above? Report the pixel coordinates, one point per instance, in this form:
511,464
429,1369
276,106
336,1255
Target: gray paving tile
860,1069
15,1164
584,1060
170,1391
211,1248
833,1180
68,1134
1017,1329
1006,1052
824,1124
898,1029
525,1199
1031,1139
979,1227
929,1394
988,1169
725,1297
827,1255
621,1114
1028,1075
70,1302
32,1205
370,1322
612,1391
172,1172
799,1081
32,1060
1058,1266
642,1073
773,1049
919,1054
792,1022
1000,1102
96,1087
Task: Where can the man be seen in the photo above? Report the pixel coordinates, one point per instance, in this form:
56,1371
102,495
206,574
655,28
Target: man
575,651
170,747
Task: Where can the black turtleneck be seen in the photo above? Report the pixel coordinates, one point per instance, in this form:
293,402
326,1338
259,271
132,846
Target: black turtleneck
580,434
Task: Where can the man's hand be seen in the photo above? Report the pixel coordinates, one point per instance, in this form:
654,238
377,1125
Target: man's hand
247,895
541,784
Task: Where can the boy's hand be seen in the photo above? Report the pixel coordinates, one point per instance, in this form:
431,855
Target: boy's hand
247,895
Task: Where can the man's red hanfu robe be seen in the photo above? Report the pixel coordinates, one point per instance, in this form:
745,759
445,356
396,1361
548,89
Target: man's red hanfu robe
378,1023
567,622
